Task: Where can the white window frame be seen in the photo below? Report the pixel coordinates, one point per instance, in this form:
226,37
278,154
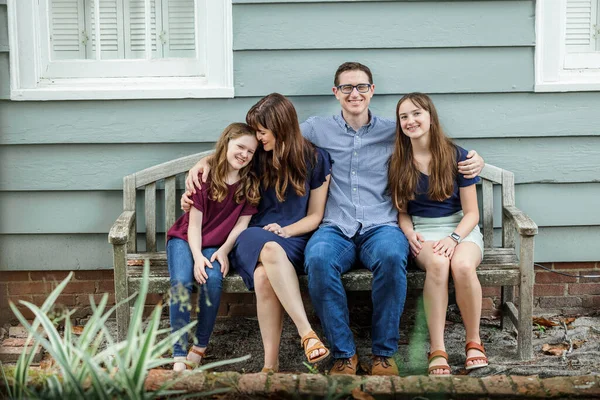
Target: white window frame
555,69
29,61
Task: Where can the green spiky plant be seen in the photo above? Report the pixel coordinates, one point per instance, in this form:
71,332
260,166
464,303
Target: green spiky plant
93,365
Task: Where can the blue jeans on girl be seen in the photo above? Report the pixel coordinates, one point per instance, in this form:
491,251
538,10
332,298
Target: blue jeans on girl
181,270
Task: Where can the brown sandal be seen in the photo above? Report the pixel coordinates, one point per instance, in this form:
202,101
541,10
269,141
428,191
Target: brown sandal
479,347
269,370
304,341
192,365
438,354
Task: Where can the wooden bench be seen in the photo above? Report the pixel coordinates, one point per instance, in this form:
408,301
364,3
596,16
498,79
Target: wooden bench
502,266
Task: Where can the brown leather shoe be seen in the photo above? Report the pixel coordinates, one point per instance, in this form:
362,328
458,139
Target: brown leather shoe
384,366
345,366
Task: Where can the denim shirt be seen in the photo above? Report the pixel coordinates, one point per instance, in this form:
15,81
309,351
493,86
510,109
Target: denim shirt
357,198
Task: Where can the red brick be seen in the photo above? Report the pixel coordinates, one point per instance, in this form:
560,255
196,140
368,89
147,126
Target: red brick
549,290
490,291
528,386
84,299
589,276
105,286
14,276
559,387
81,287
313,384
584,288
242,310
250,384
560,302
467,386
154,298
15,299
591,301
487,304
95,275
551,277
498,386
586,385
49,276
68,300
23,288
574,265
382,385
223,309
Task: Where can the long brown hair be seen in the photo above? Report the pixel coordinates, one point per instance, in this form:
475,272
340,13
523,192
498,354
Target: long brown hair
249,183
286,164
403,174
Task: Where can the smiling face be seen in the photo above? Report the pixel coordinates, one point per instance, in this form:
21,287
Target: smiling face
266,137
414,121
354,104
240,151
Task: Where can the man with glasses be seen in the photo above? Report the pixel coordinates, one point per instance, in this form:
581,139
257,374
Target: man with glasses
360,223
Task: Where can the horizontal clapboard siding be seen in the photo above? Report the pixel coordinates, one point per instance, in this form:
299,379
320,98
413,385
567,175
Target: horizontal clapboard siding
92,251
400,25
440,70
95,211
102,166
179,121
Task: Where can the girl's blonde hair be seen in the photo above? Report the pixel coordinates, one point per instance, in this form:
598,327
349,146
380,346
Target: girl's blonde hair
403,173
249,183
286,164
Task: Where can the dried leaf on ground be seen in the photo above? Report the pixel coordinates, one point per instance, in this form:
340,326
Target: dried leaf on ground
543,322
358,394
77,330
567,320
555,349
578,343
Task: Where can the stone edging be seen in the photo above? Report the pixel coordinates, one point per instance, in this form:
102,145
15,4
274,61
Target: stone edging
463,387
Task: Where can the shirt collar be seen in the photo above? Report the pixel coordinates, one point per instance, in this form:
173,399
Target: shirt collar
340,119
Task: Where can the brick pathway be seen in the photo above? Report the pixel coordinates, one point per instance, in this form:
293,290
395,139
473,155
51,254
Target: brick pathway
410,387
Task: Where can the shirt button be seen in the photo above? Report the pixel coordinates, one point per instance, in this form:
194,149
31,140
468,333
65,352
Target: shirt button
353,172
355,153
354,189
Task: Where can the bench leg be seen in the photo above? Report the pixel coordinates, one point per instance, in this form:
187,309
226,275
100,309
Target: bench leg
121,290
507,296
525,338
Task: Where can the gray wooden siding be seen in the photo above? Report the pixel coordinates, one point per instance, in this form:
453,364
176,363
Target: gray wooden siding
62,162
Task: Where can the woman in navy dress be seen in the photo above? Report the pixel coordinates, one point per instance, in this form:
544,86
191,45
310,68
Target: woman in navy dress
270,252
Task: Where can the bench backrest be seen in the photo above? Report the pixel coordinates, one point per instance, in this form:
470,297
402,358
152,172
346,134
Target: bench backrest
167,172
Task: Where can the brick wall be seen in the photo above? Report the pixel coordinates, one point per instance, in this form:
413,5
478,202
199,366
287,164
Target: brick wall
553,293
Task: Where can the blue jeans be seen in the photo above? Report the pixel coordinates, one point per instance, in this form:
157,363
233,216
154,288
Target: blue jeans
181,270
329,254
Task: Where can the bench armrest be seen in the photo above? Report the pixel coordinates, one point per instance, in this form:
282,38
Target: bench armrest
119,232
523,224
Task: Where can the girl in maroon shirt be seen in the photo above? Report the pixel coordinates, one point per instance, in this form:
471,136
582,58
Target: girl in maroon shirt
200,241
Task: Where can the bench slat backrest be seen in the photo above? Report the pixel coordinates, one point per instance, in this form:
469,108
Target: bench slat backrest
167,172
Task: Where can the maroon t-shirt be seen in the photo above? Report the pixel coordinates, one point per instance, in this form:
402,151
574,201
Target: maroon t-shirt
218,219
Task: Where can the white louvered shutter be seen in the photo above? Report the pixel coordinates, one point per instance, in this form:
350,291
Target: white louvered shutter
111,29
582,26
67,29
135,28
179,28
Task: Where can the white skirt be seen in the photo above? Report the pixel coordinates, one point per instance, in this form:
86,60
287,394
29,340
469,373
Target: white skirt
434,229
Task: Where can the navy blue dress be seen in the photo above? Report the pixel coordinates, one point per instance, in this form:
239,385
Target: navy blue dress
249,244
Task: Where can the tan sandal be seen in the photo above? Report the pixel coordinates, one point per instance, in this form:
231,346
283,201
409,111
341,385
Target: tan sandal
192,365
438,354
479,347
304,341
267,370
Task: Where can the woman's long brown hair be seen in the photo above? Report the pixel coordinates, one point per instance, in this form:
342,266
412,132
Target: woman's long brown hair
286,165
219,167
403,173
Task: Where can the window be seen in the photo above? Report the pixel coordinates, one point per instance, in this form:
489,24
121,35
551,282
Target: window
568,45
120,49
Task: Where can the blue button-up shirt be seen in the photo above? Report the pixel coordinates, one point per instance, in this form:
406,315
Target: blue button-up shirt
357,192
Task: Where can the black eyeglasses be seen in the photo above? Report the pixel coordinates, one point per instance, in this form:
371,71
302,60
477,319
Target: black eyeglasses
360,88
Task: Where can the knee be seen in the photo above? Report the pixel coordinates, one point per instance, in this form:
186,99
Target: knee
438,270
215,277
261,281
271,253
462,269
